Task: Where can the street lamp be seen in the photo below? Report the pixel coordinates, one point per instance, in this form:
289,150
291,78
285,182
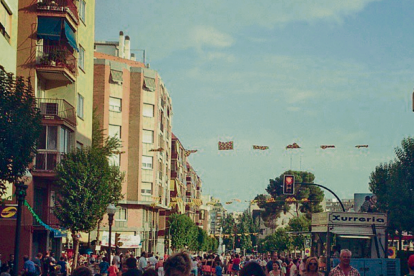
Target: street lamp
111,210
21,187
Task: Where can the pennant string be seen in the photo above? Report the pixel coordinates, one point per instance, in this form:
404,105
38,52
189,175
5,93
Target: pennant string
36,217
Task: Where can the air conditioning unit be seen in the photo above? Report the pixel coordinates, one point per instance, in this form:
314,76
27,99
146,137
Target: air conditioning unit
49,108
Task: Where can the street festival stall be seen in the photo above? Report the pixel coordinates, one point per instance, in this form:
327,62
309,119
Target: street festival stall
362,233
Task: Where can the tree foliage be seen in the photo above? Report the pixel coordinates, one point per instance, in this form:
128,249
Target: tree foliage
393,184
308,198
298,225
278,241
88,183
20,127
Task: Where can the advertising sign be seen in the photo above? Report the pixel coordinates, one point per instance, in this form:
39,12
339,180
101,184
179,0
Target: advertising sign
8,211
128,241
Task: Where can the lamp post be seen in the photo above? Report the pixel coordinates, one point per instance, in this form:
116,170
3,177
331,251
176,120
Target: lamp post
21,187
111,210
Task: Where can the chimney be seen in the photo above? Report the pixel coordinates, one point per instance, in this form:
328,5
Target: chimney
121,44
133,57
127,48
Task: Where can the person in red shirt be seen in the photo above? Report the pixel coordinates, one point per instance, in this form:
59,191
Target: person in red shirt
113,269
236,264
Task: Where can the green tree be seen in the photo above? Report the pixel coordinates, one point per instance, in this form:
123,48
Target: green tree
183,232
20,127
88,183
393,184
228,231
278,241
298,224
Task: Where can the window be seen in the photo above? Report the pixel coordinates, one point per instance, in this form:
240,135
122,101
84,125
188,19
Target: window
121,214
147,162
148,110
114,130
146,188
48,138
115,104
82,10
65,140
79,145
80,106
148,136
81,58
5,20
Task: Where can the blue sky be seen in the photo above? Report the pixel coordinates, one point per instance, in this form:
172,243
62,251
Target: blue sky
277,72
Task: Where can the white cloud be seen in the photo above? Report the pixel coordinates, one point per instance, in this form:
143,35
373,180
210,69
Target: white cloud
201,36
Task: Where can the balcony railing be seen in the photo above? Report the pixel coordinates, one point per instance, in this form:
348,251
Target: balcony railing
57,109
59,6
56,56
47,160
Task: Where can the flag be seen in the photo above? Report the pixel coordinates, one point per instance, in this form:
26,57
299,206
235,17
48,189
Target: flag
327,146
293,146
255,147
188,152
159,149
225,145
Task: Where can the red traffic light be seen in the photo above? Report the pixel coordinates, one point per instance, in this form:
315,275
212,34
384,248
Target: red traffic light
288,184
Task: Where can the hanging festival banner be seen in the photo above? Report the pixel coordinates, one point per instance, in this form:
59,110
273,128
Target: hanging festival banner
327,147
188,152
225,145
361,146
293,146
158,149
255,147
56,232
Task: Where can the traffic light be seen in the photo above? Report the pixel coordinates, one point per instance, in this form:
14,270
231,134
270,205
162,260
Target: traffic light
288,185
118,243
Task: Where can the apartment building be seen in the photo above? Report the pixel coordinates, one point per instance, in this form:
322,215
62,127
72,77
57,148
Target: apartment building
8,34
55,49
133,103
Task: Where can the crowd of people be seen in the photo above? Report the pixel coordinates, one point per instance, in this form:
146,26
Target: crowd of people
182,264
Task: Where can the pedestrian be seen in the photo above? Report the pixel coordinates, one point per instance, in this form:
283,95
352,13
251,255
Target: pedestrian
194,267
29,266
344,267
410,265
38,263
82,271
10,263
218,269
252,269
5,270
63,266
132,268
312,267
159,267
113,269
142,262
103,267
52,262
152,261
178,265
236,264
276,270
117,259
230,267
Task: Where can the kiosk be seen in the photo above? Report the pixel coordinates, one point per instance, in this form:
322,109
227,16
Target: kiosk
362,233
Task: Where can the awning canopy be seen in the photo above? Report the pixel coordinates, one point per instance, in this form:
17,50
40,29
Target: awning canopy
50,28
116,76
149,83
70,36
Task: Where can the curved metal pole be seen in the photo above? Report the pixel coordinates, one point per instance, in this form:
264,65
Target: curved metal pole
314,184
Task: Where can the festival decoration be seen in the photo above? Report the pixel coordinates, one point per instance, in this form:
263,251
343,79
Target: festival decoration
361,146
188,152
293,146
56,232
236,199
255,147
290,199
158,149
229,202
327,147
225,145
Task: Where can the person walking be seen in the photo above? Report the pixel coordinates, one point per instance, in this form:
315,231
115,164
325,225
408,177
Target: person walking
276,270
113,269
312,267
159,267
344,267
63,266
142,262
103,267
132,268
178,265
38,263
29,266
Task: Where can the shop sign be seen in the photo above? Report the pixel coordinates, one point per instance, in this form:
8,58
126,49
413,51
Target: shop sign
358,218
128,241
8,212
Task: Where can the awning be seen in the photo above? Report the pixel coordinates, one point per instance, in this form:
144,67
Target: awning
49,28
149,83
116,76
70,36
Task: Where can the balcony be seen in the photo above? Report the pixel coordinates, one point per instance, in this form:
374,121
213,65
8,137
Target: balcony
63,7
46,161
57,110
56,63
